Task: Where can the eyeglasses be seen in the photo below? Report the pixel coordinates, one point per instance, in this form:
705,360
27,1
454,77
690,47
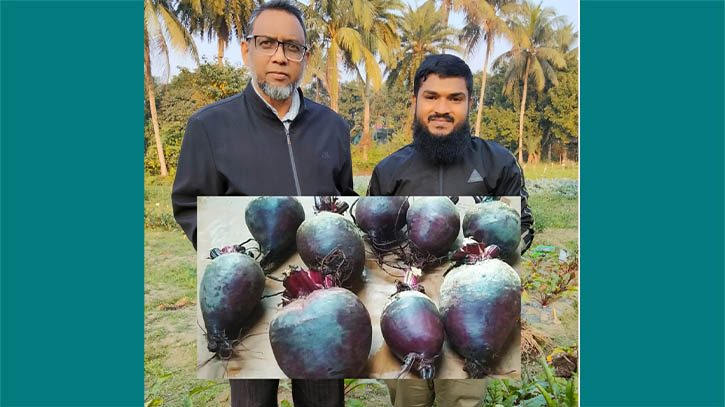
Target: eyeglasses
268,46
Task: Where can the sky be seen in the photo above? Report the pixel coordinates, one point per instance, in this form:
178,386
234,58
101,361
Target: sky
208,50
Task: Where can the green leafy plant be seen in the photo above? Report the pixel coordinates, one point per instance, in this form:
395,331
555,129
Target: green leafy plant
550,278
152,398
356,385
544,390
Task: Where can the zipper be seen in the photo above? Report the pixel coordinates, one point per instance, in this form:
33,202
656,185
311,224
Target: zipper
440,180
292,160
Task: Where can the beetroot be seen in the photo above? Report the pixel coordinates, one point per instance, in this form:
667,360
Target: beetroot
331,244
273,222
382,218
230,290
321,333
495,223
413,330
480,304
433,225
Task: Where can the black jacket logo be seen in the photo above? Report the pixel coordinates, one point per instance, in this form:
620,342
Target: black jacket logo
475,177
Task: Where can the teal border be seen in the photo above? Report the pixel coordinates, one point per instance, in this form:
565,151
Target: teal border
651,217
652,203
72,203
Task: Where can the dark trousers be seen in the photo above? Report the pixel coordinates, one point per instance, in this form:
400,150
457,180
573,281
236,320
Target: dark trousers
305,393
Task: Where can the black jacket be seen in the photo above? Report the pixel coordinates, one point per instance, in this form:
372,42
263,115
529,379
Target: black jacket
486,169
238,146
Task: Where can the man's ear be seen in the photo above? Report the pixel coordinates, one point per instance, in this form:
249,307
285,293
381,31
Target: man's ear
470,103
245,52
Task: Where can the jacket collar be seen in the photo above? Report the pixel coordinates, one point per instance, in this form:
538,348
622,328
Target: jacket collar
260,107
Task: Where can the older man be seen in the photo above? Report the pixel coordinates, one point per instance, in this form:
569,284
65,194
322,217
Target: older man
267,140
444,159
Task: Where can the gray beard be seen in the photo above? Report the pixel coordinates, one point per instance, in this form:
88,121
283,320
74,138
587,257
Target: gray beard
277,92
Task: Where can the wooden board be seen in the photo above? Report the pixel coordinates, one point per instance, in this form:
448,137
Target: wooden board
221,223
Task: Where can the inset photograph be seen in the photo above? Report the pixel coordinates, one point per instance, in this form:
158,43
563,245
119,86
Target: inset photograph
368,287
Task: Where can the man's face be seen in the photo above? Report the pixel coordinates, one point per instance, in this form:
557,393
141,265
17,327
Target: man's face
276,75
442,104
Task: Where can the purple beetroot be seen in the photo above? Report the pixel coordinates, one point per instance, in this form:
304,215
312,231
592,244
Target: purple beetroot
480,303
433,225
322,332
230,290
382,219
412,329
495,223
331,244
273,222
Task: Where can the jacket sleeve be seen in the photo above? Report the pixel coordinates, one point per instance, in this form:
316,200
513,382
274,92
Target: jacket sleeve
345,180
196,175
515,184
374,186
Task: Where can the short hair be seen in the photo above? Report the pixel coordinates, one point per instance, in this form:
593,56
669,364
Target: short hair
445,66
283,5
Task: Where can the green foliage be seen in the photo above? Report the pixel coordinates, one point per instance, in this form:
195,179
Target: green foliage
499,125
353,387
422,33
548,170
188,92
548,278
158,213
544,390
376,154
554,211
152,398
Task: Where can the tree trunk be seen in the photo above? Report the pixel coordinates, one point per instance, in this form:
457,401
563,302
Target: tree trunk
366,140
446,5
521,115
220,52
563,154
152,102
483,87
549,155
408,126
331,76
317,90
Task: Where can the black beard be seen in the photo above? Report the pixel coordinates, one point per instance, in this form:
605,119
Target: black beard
442,150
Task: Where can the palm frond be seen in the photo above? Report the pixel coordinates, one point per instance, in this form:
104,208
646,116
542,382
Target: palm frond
372,69
553,56
537,74
549,72
180,38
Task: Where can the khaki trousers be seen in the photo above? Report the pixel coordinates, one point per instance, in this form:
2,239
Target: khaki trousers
445,392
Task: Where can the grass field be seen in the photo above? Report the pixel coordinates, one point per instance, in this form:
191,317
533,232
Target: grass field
170,282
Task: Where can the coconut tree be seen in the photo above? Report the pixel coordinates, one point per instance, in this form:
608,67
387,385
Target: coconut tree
484,23
340,24
382,39
565,39
316,64
534,54
162,24
220,19
422,33
453,5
